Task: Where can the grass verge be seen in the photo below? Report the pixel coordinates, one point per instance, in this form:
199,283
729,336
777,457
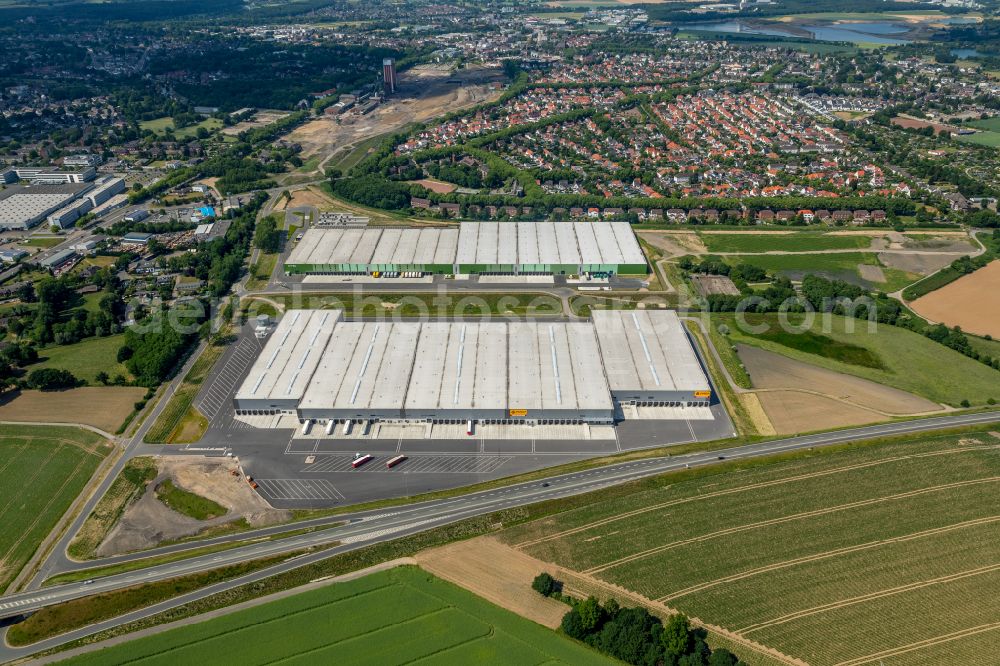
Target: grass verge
128,487
71,615
171,422
742,422
368,556
135,565
260,273
187,503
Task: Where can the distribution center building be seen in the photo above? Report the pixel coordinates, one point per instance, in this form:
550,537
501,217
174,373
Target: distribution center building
494,248
323,367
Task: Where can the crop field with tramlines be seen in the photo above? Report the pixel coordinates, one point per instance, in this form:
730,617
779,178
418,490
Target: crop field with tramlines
42,470
400,616
870,553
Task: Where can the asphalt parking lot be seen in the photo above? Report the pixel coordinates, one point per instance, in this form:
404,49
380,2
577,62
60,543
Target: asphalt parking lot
277,458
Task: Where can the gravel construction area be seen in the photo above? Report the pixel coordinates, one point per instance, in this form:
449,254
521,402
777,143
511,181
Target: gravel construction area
921,264
769,370
972,302
498,573
871,273
148,522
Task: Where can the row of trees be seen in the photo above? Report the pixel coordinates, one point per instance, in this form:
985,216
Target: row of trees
269,236
633,635
820,294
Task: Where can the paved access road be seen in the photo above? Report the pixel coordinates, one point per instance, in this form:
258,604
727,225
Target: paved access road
369,527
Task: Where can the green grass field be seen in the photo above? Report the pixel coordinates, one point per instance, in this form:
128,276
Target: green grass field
841,266
400,616
826,557
45,242
261,272
908,360
987,138
42,470
181,409
86,358
160,125
795,242
190,504
815,343
991,124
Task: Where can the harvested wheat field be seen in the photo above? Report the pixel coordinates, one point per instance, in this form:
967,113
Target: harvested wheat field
104,407
496,572
769,370
792,412
870,552
972,302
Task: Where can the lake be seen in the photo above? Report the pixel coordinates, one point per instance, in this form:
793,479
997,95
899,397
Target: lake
880,32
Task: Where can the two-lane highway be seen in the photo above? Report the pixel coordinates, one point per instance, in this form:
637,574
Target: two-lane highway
370,527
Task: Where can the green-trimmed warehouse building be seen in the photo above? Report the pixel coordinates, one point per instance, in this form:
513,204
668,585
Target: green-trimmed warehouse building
475,248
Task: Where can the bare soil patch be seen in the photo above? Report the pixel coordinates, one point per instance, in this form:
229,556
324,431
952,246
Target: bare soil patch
792,412
104,407
714,284
674,243
435,185
307,196
498,573
260,119
769,370
871,273
972,302
921,264
149,522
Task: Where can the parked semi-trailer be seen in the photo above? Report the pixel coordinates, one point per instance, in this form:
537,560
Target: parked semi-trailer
395,461
330,425
306,426
468,427
360,460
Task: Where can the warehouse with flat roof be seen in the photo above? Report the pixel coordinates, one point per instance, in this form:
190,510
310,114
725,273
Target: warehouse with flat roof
322,367
490,248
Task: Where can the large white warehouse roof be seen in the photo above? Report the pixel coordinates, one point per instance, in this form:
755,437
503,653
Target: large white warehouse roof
326,367
483,243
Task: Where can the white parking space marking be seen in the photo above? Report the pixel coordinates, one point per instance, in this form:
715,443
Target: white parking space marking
414,464
219,393
299,489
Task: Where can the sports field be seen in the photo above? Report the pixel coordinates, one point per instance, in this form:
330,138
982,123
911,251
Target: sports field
42,470
872,552
886,354
394,617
